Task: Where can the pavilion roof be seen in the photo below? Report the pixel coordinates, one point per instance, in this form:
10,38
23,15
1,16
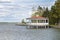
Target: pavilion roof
37,17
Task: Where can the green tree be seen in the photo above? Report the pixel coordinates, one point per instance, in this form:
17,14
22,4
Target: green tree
52,15
39,11
23,21
46,13
55,12
57,8
39,8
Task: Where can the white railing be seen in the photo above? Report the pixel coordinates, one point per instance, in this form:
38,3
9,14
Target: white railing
38,24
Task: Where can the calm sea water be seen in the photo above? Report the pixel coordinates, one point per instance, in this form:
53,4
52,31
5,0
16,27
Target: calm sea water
14,32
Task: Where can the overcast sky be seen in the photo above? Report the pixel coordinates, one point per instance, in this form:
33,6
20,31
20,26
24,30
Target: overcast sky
15,10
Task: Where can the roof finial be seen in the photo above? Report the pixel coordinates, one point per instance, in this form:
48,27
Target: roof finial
37,15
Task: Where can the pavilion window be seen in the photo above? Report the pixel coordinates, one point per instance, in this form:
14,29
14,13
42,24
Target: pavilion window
34,21
46,21
40,21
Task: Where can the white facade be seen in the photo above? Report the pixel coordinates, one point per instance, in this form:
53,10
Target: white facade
38,22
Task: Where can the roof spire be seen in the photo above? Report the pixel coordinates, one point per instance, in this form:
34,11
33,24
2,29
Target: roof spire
37,15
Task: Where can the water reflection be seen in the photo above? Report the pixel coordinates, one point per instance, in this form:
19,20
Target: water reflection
13,32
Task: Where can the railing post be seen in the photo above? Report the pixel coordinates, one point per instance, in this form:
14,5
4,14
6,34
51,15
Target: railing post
45,27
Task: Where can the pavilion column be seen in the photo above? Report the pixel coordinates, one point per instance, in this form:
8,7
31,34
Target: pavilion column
48,23
37,22
45,22
45,26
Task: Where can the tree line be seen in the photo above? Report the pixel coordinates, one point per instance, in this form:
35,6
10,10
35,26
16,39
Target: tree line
53,14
